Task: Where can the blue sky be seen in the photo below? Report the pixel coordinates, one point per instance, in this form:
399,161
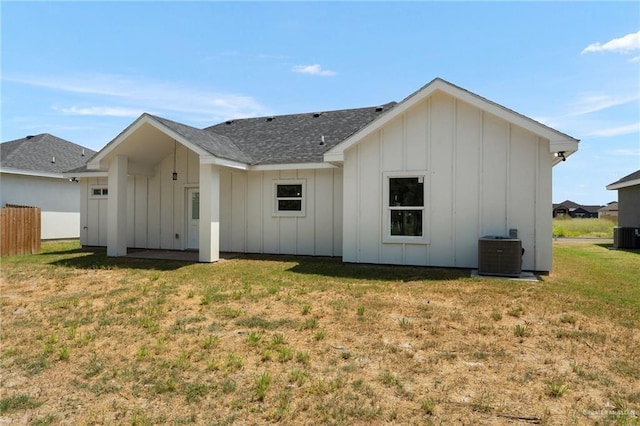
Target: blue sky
84,71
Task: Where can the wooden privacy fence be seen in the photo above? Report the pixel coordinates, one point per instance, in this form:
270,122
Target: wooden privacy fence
19,230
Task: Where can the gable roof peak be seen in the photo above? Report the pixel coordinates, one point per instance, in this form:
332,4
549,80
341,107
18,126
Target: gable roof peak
559,142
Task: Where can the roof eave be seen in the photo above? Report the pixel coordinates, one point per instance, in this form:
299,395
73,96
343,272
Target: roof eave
24,172
620,185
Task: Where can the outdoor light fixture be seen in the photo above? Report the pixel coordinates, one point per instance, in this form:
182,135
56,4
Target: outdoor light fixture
560,154
174,175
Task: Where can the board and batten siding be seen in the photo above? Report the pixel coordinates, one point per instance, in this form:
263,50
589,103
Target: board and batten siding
317,233
483,176
156,209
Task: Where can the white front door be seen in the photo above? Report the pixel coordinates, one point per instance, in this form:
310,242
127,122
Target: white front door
193,216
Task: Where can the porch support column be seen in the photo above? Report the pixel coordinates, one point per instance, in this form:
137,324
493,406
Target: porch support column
209,213
117,207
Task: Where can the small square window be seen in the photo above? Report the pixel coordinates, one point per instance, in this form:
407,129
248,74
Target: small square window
289,198
99,192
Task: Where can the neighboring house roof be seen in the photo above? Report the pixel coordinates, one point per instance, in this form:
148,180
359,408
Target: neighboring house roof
571,206
296,138
559,142
611,207
627,181
42,154
566,204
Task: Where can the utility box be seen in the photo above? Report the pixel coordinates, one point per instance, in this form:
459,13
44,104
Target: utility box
500,256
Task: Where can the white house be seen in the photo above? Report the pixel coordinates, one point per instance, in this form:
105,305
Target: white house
413,183
31,174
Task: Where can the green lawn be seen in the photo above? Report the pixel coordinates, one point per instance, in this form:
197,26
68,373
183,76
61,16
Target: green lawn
88,339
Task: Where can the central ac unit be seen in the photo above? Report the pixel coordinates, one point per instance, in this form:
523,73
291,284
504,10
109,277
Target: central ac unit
626,237
500,256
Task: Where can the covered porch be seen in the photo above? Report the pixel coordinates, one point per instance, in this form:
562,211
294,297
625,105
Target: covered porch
163,192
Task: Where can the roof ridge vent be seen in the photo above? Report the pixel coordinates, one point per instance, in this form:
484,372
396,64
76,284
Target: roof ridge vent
30,136
229,121
380,108
270,118
317,114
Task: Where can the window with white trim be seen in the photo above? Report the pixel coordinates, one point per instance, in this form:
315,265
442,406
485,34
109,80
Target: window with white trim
405,218
99,192
289,197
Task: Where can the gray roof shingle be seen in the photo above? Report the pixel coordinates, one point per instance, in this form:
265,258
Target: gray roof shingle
36,153
217,144
295,138
628,178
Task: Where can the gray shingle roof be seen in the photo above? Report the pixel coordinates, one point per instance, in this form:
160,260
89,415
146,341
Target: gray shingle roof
295,138
628,178
217,144
36,153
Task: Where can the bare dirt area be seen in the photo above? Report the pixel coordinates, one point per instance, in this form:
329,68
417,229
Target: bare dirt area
307,341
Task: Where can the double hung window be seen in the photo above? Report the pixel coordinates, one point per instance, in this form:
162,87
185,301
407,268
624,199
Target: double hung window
405,216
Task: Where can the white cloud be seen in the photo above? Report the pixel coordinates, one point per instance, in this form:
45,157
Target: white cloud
135,95
616,131
100,111
314,69
635,60
625,44
626,152
598,102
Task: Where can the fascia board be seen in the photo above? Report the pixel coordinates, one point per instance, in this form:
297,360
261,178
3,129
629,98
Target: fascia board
212,159
334,157
508,115
568,146
87,174
291,166
10,170
621,185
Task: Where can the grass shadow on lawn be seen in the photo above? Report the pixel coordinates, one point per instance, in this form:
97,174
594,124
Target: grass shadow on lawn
334,267
610,247
96,258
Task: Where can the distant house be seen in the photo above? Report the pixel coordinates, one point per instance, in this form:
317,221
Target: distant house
628,189
574,210
415,183
610,211
31,175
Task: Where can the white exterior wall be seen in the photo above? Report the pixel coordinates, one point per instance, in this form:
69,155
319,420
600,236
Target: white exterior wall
58,199
484,176
318,232
157,205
